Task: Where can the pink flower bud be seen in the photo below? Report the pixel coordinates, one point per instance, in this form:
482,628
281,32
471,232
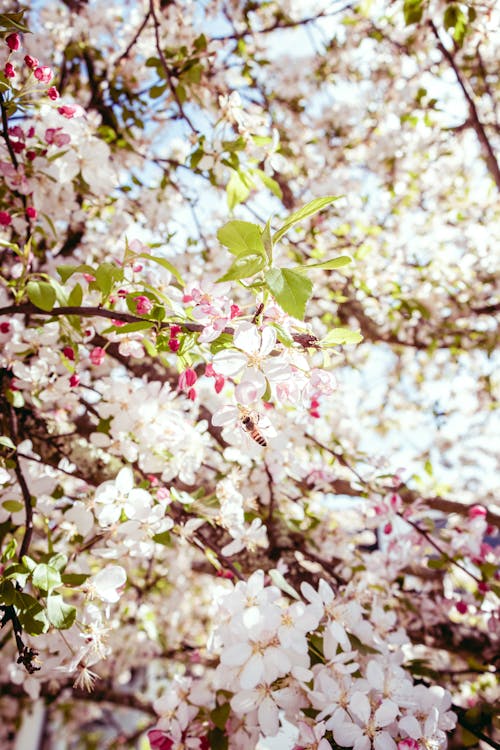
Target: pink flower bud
53,93
388,528
408,744
31,62
122,293
88,277
477,511
69,353
483,587
5,219
74,380
97,355
219,383
13,42
209,370
174,330
314,413
4,327
235,311
187,378
143,305
31,212
159,740
187,298
192,394
30,155
461,607
43,74
174,345
118,323
9,70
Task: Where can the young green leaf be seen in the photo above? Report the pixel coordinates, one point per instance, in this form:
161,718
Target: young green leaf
237,191
46,577
241,238
243,267
60,614
291,290
165,263
303,213
341,336
41,294
327,265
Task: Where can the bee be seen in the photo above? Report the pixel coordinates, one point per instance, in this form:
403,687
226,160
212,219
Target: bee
249,423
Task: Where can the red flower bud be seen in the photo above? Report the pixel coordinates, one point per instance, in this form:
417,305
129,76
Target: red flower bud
13,42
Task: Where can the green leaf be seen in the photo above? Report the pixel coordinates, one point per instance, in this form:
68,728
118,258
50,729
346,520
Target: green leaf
41,294
268,240
454,18
58,561
270,183
327,265
12,506
60,614
46,577
217,739
303,213
165,263
291,290
106,275
66,271
9,551
241,238
237,191
164,538
341,336
15,398
75,296
14,22
413,11
74,579
141,325
220,715
243,267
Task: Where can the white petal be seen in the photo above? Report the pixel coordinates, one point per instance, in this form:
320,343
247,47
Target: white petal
268,340
360,706
252,387
386,713
124,480
384,741
245,701
247,338
229,362
236,655
375,675
411,726
252,672
226,415
268,717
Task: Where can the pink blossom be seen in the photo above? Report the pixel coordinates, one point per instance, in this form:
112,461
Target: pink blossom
187,379
143,305
97,355
9,70
408,744
57,137
74,380
31,62
5,219
13,41
44,74
70,110
53,93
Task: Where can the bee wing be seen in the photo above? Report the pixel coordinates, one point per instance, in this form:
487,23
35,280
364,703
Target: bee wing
266,426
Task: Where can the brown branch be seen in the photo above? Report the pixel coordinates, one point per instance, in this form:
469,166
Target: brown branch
477,125
28,509
165,67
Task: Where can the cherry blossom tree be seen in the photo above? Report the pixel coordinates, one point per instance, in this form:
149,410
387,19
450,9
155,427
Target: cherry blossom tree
248,328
